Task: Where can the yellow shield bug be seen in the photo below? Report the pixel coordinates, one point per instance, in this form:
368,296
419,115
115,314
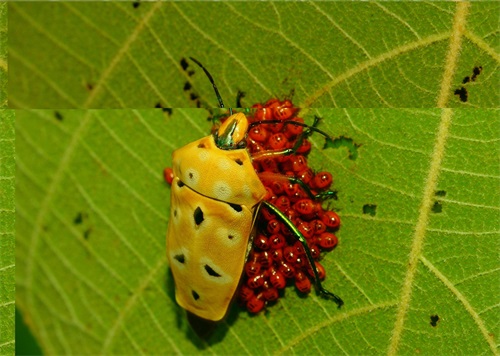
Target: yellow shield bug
216,198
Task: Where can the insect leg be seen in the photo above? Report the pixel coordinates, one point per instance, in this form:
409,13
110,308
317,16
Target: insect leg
298,142
322,291
280,177
308,132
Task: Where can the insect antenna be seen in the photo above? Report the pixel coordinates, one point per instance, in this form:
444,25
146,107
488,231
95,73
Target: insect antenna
219,98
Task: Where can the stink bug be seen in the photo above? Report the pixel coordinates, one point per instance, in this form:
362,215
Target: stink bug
216,198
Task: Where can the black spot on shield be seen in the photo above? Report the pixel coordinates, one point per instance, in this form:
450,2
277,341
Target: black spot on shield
180,258
236,207
198,216
211,271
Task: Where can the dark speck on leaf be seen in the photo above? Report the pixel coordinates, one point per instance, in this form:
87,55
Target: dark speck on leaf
462,94
184,64
434,320
58,116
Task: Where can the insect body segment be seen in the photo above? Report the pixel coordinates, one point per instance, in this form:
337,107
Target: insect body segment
214,198
214,201
207,243
232,132
223,174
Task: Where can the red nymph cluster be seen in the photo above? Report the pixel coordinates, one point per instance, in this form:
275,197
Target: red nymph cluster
277,257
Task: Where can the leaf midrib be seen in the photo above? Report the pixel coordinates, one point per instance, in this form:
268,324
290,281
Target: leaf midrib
421,228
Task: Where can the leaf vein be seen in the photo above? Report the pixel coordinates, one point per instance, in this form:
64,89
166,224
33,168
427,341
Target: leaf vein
363,66
132,300
420,228
336,319
123,50
475,316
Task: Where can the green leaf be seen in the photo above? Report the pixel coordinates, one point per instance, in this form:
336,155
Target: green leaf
417,263
7,237
325,54
3,55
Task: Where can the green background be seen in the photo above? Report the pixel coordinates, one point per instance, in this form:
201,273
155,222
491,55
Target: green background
7,231
419,203
331,54
92,212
